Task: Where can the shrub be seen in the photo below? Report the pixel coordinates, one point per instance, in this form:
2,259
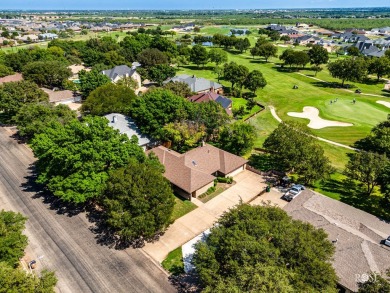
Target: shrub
228,180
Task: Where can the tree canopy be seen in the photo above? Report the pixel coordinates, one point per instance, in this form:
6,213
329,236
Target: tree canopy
262,249
13,95
161,72
366,167
138,200
89,81
199,55
47,73
293,149
12,240
12,245
109,98
74,159
179,88
158,107
237,138
348,69
218,56
254,81
32,119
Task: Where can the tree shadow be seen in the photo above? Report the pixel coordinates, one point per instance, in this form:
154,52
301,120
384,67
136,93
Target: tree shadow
258,61
61,207
200,67
186,283
107,236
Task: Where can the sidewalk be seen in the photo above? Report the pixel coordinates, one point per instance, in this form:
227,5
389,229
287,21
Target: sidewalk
248,186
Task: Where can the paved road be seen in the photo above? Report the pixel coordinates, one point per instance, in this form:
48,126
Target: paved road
65,243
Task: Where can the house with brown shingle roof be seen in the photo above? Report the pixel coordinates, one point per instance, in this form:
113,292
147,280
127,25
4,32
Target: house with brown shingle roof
194,172
358,236
11,78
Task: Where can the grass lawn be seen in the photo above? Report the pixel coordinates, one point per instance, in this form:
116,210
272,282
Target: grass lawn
174,262
279,92
182,207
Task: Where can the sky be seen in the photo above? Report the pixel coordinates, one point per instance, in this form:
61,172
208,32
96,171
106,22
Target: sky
184,4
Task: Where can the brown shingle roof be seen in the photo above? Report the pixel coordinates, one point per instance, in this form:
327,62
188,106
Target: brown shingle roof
359,235
11,78
59,96
194,169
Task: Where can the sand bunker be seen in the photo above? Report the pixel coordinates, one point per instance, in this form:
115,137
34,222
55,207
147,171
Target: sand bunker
387,104
316,122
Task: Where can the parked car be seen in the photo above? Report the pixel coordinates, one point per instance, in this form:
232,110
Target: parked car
299,186
358,91
292,193
387,241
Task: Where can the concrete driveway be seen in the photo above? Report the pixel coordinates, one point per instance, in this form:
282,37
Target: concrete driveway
248,186
273,198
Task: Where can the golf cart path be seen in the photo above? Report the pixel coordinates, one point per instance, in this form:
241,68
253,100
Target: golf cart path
363,94
273,112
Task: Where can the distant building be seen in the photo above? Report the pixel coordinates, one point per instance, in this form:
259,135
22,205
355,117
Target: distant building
127,126
48,36
198,84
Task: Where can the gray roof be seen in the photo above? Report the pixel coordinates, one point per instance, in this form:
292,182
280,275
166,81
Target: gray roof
196,84
120,70
358,235
126,125
224,102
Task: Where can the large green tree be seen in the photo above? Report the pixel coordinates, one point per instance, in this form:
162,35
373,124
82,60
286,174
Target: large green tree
235,73
179,88
378,141
199,55
293,149
151,57
366,167
237,138
348,69
74,159
89,81
318,55
218,56
254,81
158,107
138,200
109,98
379,67
267,50
12,240
262,249
18,280
32,119
13,95
47,73
161,72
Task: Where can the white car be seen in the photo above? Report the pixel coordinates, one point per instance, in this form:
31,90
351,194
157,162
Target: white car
387,241
292,193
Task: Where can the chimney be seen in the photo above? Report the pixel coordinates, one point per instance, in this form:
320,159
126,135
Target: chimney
203,143
212,89
114,119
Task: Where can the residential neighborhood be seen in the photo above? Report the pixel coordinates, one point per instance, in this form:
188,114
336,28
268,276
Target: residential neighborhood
186,150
